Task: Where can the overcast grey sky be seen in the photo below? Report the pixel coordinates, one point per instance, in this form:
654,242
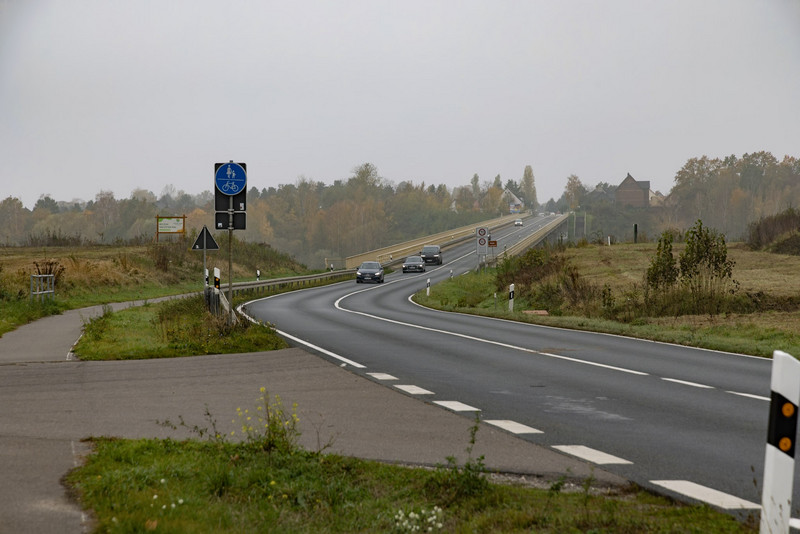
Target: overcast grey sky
141,94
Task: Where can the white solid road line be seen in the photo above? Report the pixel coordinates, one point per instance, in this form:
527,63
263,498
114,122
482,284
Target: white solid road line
457,406
513,426
338,306
707,495
414,390
591,455
320,349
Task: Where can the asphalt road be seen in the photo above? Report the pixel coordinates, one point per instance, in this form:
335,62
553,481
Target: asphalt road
691,423
52,402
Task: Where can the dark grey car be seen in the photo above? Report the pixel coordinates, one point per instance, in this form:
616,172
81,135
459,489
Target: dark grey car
431,254
414,264
369,271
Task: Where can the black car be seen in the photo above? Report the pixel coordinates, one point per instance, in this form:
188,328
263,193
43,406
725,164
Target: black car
369,271
414,264
431,254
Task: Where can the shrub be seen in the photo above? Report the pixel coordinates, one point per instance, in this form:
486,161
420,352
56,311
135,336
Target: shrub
768,229
527,270
270,428
705,268
663,272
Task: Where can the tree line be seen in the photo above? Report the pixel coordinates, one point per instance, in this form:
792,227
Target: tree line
727,193
315,222
308,219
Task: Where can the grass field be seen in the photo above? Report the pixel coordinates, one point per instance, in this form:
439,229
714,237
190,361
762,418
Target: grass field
622,266
771,277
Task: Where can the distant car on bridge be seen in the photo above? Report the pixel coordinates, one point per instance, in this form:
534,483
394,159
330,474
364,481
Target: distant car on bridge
431,254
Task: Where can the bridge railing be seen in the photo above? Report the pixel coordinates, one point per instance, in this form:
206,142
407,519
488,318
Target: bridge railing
533,239
398,251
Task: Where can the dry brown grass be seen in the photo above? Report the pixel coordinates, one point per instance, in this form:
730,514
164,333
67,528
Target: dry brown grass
124,272
621,266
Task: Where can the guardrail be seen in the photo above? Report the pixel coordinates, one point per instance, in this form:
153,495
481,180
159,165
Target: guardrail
291,282
532,240
397,252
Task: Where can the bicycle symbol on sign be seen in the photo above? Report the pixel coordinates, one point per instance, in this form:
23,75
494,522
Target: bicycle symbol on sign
230,186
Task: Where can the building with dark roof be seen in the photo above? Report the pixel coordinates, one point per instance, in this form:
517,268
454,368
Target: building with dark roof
633,193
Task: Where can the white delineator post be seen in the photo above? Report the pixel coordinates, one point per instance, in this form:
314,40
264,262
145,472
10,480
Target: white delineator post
428,288
511,298
776,497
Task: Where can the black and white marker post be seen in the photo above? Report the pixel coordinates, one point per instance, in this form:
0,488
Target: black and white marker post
776,499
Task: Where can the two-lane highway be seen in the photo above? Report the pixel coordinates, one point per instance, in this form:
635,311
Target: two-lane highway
687,421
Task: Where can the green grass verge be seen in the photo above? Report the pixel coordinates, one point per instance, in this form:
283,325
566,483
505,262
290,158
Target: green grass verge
264,484
757,334
84,297
180,327
17,312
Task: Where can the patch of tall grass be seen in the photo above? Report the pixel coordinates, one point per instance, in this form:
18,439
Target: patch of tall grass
178,327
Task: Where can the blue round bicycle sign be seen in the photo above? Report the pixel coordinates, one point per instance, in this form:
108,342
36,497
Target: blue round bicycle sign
230,179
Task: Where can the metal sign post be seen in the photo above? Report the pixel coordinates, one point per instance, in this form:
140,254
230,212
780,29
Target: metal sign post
482,244
230,180
230,255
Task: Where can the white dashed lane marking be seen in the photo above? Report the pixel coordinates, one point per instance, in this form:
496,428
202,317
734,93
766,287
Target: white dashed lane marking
513,426
750,395
457,406
382,376
707,495
414,390
591,455
685,383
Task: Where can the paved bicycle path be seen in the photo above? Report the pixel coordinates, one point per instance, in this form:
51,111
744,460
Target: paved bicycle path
49,402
